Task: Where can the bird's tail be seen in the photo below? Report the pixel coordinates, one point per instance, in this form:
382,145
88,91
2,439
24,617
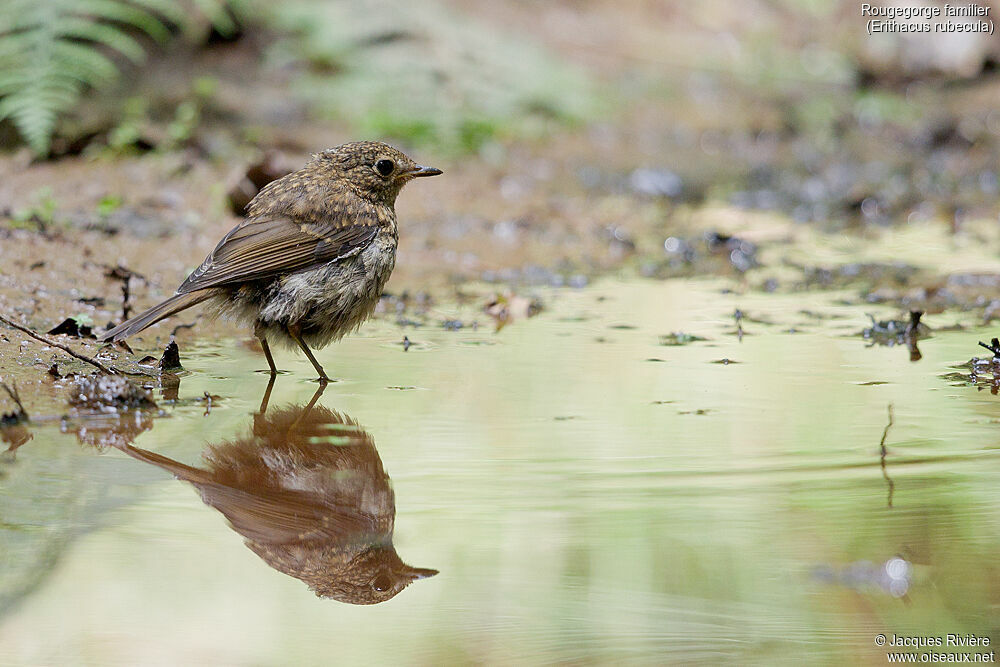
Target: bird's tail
175,468
174,304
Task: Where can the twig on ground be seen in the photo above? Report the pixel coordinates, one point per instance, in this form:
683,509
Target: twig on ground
64,348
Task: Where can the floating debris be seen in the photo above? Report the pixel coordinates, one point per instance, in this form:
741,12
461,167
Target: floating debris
993,347
209,399
680,338
506,308
982,373
898,332
816,315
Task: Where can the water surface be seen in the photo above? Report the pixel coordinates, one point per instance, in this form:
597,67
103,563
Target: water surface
585,492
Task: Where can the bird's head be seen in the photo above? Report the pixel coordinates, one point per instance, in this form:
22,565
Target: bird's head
375,575
375,170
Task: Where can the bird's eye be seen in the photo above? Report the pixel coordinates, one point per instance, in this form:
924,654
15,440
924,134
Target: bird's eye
383,581
384,167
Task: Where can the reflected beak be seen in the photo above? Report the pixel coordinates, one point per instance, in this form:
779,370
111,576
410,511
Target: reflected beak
421,572
421,170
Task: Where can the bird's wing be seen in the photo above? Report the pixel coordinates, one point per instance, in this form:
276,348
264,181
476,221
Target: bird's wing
283,516
268,246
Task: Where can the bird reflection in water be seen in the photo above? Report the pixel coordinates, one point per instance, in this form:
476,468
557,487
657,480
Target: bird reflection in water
307,491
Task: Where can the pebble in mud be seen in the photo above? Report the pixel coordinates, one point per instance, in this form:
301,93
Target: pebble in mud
711,253
655,183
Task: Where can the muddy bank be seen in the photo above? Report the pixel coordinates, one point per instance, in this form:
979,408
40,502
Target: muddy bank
696,170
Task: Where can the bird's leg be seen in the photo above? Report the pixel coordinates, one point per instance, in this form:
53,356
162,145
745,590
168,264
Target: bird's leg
267,394
295,332
259,332
319,392
306,410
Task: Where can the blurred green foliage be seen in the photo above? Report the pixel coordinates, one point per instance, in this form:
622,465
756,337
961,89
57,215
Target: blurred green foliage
179,129
422,72
51,52
108,205
419,72
38,216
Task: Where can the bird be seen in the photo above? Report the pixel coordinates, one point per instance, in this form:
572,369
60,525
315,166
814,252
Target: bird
307,491
309,262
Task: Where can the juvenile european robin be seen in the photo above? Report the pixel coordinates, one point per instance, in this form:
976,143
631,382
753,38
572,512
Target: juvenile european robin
309,263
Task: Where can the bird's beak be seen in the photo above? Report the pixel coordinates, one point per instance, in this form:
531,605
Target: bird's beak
421,170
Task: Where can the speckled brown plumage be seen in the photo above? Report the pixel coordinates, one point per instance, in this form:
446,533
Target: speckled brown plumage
309,263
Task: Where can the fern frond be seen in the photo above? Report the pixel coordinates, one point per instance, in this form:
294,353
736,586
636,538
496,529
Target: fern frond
53,50
104,34
218,14
129,14
171,10
35,105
